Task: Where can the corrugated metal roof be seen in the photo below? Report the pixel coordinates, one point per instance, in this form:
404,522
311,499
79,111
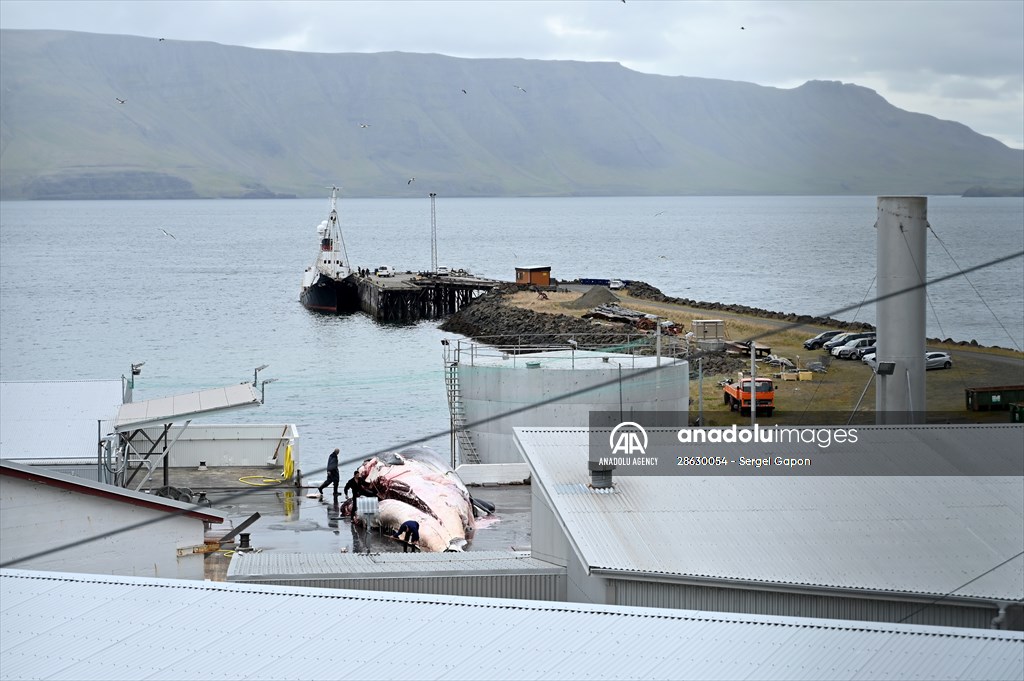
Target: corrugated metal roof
169,409
87,626
352,565
94,488
55,419
914,535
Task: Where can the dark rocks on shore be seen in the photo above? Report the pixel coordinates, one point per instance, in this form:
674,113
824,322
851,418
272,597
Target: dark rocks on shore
488,318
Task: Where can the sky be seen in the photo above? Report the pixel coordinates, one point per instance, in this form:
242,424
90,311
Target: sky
960,61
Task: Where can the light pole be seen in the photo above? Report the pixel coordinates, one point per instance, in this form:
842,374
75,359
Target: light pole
433,234
263,389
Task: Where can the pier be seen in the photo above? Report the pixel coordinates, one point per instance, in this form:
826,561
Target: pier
410,296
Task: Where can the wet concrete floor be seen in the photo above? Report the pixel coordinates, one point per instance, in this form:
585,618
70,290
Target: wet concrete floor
292,522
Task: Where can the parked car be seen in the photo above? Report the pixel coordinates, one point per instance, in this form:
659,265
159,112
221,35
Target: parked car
860,352
846,351
844,338
932,360
442,271
819,340
615,284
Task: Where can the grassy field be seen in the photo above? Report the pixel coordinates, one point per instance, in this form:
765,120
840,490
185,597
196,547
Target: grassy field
839,389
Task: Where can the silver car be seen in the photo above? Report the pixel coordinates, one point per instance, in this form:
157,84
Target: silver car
937,360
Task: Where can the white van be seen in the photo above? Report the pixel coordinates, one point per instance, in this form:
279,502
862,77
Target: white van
385,271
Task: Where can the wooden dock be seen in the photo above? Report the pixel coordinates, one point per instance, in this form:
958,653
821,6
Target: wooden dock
409,297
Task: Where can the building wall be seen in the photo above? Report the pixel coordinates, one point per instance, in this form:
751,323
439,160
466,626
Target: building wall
488,391
249,445
537,587
35,517
767,602
538,277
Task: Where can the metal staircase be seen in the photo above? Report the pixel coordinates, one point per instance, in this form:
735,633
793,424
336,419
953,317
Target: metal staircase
457,410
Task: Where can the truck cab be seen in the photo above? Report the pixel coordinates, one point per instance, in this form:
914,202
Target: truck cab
737,396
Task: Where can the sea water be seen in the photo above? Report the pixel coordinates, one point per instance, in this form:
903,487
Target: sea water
205,291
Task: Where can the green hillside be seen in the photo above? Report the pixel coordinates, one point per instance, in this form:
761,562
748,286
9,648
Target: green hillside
208,120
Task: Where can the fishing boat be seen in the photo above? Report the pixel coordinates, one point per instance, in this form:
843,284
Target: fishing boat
328,284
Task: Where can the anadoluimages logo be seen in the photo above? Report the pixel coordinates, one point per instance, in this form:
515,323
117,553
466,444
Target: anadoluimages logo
628,438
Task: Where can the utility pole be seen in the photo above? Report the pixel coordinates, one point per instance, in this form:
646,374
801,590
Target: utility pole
433,234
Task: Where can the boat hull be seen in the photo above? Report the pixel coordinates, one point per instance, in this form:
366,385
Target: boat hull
330,296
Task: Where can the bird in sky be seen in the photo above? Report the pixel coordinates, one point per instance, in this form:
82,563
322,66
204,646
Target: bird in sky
659,213
168,233
364,125
519,88
411,180
464,92
161,39
743,28
119,100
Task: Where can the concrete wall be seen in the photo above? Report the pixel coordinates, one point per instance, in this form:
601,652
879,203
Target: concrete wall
249,445
488,391
35,517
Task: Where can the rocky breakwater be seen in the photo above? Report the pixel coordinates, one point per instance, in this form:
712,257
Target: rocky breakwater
489,319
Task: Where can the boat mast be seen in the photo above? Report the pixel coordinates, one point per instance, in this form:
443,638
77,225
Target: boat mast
335,227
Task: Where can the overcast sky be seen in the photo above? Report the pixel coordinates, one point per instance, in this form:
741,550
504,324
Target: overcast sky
961,61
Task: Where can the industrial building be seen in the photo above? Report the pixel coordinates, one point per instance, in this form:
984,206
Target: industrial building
58,424
537,276
67,626
940,549
43,513
493,574
495,388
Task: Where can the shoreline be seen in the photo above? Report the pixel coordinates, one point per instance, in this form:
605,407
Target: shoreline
488,316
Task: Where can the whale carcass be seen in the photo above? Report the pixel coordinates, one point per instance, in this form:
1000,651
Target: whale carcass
417,484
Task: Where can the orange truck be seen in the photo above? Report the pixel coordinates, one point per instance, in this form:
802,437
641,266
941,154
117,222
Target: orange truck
737,396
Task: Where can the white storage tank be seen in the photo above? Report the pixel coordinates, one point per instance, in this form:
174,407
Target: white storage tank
491,383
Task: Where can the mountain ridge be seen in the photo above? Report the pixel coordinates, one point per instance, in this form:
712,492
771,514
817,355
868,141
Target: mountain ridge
204,120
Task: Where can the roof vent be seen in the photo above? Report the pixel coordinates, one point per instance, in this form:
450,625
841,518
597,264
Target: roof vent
600,475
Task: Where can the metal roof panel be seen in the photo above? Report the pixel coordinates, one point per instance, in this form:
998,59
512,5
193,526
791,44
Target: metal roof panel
892,534
57,625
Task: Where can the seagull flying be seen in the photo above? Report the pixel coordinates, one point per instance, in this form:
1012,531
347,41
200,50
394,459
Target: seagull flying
161,39
464,92
411,180
660,213
519,88
364,125
168,233
119,100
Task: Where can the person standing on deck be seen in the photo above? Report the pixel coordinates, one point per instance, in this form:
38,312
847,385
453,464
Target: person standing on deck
332,474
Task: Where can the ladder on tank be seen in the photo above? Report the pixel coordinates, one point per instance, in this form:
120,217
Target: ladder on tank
457,410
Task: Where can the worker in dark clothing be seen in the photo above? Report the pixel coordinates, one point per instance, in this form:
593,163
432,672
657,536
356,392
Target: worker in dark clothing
352,486
332,473
411,530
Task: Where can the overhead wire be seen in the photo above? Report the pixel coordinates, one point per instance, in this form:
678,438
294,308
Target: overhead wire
975,288
512,412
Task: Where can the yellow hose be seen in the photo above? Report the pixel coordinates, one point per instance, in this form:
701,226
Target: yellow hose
289,464
286,474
